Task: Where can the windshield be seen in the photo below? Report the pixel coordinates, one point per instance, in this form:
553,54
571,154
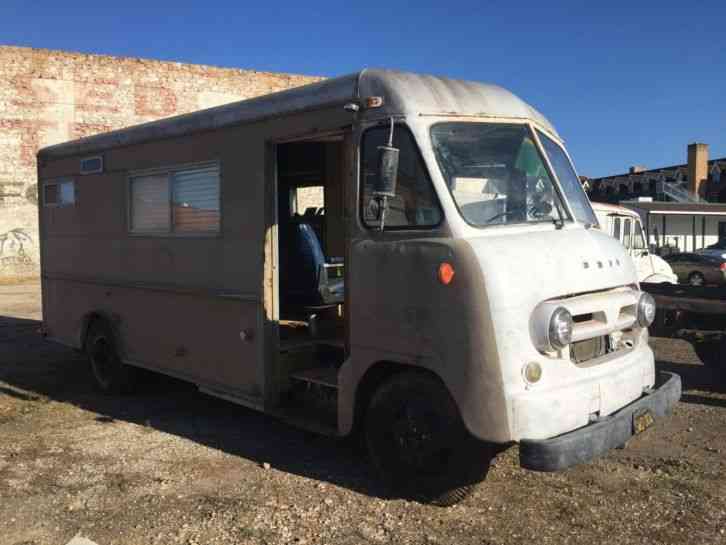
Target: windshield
495,173
569,182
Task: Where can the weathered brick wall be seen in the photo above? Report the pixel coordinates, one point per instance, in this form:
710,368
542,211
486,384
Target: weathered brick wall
48,97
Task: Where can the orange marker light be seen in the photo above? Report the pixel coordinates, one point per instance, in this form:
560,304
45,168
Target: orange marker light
374,102
446,273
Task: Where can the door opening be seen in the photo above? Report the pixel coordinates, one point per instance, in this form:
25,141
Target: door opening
311,274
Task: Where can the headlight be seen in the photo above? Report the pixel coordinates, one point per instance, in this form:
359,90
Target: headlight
560,330
646,310
532,372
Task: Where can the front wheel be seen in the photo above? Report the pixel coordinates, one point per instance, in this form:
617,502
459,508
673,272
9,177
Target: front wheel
419,444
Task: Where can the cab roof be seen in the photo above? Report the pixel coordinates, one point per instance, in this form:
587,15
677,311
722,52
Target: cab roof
403,93
613,209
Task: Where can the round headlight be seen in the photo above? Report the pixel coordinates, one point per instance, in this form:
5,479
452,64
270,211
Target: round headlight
560,330
646,310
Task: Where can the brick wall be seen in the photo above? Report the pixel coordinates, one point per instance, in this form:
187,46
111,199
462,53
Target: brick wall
48,97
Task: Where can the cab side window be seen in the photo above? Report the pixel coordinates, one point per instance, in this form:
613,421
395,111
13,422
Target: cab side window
638,237
415,204
626,234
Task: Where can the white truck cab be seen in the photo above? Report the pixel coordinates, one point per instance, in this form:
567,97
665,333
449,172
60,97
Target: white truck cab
625,225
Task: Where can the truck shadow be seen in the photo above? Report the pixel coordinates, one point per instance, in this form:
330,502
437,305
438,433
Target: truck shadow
32,369
697,379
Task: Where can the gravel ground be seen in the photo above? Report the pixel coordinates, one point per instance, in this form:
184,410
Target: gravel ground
170,465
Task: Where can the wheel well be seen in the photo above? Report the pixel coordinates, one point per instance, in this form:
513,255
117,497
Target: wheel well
376,375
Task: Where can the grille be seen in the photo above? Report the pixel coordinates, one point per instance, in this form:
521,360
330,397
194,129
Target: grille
589,349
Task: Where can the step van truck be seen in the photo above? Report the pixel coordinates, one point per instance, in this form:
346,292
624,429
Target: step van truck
625,225
449,297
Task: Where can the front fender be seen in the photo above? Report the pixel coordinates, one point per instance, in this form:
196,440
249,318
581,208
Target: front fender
659,278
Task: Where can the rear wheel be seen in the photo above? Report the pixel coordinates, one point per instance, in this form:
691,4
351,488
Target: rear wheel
666,322
696,279
419,444
111,375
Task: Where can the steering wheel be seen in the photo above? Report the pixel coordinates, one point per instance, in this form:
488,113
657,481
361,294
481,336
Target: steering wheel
520,208
540,209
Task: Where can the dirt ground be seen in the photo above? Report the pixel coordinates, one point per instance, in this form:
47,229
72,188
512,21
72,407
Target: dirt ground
171,465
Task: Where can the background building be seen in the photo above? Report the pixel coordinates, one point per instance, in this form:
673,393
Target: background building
681,205
698,180
48,97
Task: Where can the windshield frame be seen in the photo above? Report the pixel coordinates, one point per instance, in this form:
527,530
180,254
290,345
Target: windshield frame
560,145
567,215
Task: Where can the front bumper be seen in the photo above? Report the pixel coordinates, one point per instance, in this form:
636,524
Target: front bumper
594,440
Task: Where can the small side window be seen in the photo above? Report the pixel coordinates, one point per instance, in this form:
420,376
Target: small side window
626,234
415,204
59,193
92,165
638,237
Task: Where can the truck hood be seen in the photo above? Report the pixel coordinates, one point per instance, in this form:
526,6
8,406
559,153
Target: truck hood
523,269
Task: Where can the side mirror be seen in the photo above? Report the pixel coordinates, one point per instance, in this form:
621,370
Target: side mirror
385,185
387,171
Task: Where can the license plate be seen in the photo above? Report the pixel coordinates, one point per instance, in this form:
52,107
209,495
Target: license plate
642,420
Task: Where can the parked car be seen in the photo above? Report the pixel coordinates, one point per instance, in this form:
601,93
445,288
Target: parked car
698,269
716,250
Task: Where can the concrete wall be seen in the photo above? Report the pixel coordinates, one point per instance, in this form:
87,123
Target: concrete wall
48,97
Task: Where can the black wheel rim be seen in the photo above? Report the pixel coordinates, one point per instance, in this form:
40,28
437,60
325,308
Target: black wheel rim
418,438
102,360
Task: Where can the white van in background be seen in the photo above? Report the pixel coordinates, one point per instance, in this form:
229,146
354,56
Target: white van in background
624,224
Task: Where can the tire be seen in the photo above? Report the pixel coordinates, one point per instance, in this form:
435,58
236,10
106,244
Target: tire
110,374
666,323
419,444
713,355
696,279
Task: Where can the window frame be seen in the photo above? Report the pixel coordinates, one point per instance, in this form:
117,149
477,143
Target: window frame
58,182
398,125
628,233
169,172
569,205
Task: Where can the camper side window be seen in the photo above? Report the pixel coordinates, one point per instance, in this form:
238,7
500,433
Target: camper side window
59,193
179,201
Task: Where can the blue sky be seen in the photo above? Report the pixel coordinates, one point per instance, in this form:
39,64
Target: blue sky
624,82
